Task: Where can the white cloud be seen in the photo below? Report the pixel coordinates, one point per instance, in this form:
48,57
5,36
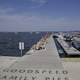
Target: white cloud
39,3
7,10
25,22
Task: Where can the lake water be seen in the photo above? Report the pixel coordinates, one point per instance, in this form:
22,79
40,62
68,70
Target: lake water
9,42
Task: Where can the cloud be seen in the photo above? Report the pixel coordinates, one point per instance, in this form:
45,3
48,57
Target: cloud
23,4
39,3
7,10
27,22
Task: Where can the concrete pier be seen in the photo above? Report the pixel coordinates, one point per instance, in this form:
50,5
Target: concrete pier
69,50
41,59
39,65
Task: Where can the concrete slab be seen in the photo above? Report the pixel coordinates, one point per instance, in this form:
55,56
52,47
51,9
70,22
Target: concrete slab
48,58
6,62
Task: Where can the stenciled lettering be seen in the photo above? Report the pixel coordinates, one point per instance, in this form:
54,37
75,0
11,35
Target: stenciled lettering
34,78
13,70
29,71
21,71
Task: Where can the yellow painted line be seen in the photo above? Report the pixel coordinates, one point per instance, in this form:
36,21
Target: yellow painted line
71,59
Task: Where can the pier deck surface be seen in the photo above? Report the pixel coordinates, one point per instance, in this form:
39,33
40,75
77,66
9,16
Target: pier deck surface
42,59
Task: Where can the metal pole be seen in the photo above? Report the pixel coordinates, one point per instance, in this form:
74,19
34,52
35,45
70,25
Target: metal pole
21,49
21,52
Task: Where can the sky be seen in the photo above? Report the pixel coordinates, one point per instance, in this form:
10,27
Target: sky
39,15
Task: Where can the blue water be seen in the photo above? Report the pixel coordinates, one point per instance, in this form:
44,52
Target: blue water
9,42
